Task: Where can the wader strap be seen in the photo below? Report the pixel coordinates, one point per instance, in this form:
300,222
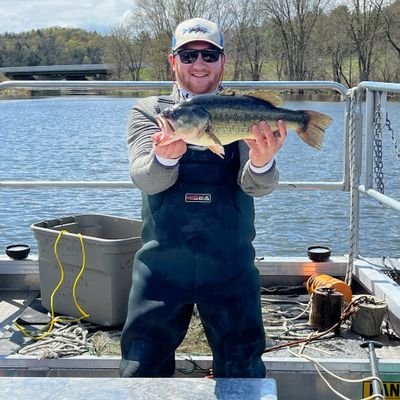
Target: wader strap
155,105
164,102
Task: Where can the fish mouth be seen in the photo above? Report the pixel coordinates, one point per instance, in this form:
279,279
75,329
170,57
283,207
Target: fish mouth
165,123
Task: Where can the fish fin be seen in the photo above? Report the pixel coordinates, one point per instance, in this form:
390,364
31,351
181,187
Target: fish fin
165,125
212,135
217,149
265,95
227,92
313,130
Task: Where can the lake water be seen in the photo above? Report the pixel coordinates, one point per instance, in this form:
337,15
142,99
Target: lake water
84,138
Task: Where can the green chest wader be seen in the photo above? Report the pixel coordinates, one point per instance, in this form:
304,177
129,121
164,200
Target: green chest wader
196,249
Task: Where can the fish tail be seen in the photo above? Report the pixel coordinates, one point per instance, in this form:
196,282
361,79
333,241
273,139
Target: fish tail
313,130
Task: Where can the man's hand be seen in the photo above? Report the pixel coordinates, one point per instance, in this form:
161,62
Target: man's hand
266,143
172,150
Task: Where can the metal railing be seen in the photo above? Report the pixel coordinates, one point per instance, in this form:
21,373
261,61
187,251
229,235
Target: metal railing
363,126
161,85
376,98
358,124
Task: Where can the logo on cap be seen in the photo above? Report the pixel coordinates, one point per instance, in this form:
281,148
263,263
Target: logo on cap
196,29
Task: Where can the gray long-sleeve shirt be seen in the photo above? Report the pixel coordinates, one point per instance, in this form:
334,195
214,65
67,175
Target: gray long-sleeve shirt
150,176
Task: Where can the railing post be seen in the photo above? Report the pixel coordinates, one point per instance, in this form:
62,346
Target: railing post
369,138
346,162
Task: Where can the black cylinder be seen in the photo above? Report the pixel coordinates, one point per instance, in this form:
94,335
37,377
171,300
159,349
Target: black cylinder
326,308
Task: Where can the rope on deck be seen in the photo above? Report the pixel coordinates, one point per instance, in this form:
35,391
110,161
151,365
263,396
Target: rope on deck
64,341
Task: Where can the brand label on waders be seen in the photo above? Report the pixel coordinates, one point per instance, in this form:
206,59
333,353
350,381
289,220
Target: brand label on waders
197,197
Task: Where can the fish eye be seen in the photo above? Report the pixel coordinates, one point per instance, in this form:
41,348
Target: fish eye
168,113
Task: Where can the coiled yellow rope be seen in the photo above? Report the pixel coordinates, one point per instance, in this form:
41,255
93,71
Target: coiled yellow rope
64,319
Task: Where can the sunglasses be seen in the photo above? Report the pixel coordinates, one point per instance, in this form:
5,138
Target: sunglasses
189,56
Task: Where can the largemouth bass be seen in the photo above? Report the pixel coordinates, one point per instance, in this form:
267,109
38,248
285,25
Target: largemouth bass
217,120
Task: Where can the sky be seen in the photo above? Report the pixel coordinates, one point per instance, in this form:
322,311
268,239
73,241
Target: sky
92,15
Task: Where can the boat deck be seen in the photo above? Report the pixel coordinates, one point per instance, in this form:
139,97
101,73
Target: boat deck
282,279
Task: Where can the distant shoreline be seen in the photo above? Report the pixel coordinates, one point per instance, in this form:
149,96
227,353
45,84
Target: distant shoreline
12,93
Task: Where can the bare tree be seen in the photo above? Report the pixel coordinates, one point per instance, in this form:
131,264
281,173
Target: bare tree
295,21
256,31
391,27
364,21
126,51
333,42
113,54
249,38
388,43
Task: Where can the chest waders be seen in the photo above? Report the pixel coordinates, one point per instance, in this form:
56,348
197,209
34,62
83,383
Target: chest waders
196,249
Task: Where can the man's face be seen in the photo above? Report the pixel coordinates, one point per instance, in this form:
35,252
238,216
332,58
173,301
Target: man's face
201,76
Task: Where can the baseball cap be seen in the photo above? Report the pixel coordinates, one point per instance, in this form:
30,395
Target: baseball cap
197,29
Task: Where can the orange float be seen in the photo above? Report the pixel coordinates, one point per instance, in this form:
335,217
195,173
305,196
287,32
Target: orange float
322,280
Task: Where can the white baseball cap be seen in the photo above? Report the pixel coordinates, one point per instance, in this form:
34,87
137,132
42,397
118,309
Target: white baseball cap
197,29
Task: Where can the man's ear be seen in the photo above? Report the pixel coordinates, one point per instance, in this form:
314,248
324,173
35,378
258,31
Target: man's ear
171,60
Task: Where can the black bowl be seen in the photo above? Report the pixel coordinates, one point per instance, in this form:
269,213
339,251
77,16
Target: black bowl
319,253
18,251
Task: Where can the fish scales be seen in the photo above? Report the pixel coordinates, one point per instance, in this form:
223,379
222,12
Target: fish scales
233,119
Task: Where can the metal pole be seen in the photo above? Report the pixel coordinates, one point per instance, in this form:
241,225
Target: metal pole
373,361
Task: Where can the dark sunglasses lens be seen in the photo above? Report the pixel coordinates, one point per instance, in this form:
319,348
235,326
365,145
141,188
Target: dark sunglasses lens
190,56
210,56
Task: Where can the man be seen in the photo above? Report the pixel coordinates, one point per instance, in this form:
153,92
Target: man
198,227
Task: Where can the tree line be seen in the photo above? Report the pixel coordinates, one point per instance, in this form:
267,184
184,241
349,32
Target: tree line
50,47
347,41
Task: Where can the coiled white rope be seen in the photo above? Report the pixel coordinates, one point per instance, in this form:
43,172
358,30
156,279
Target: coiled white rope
64,341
